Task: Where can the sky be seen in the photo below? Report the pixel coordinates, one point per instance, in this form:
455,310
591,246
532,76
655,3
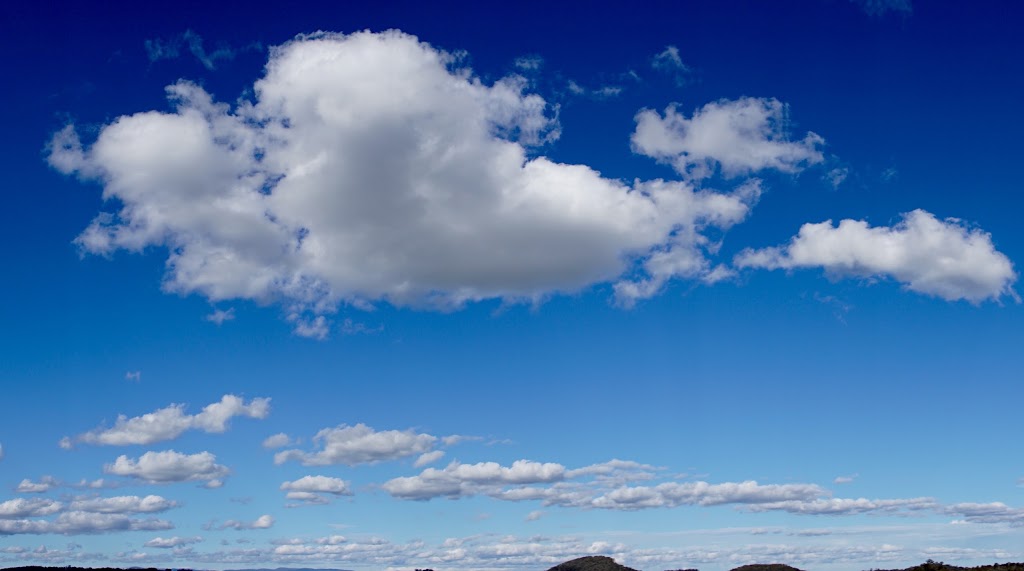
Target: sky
461,286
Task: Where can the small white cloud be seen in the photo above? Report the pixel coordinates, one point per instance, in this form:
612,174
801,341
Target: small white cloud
33,507
170,422
123,504
428,458
881,7
310,327
836,176
316,489
168,466
219,316
845,479
359,444
134,376
534,515
166,49
172,542
669,59
942,258
279,440
45,484
459,480
669,62
263,522
734,137
529,63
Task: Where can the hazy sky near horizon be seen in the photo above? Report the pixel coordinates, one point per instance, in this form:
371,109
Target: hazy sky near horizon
689,284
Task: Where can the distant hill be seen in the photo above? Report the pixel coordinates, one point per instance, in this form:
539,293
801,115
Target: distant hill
768,567
594,563
940,566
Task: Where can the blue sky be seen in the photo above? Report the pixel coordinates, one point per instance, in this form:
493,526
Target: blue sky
689,284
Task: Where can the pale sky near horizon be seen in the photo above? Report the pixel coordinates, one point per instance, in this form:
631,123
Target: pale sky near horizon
689,284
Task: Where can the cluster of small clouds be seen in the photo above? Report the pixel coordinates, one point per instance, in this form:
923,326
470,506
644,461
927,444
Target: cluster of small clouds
612,486
83,515
295,197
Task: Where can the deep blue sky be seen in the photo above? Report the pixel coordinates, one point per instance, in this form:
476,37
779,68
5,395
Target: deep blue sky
854,407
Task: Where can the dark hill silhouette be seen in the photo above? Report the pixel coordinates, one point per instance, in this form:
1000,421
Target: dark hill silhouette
768,567
593,563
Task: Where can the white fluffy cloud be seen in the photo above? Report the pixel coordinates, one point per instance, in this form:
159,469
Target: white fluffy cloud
80,523
123,504
279,440
359,444
673,494
168,466
371,168
45,484
458,480
172,542
734,137
428,458
263,522
170,422
943,258
35,507
316,489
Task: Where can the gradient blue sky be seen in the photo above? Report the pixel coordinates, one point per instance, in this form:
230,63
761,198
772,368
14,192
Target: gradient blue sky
690,284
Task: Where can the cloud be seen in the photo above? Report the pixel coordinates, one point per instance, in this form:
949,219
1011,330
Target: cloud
371,169
674,494
82,523
735,138
359,444
168,466
170,422
459,480
942,258
158,49
35,507
135,376
534,515
428,458
881,7
123,504
219,316
172,542
836,176
263,522
994,512
316,489
279,440
669,62
45,484
844,506
845,479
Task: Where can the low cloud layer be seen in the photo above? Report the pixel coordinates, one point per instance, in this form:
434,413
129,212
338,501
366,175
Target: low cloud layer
82,515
